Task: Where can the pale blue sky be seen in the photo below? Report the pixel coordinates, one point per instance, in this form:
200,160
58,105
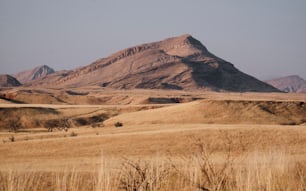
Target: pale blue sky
264,38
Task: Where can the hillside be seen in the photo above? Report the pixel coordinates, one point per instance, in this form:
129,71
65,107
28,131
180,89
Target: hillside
8,81
38,72
292,83
175,63
220,112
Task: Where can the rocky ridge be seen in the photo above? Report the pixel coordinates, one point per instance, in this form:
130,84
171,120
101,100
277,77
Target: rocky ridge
175,63
37,73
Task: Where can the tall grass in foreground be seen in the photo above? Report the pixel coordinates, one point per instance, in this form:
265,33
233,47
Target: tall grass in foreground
206,171
272,171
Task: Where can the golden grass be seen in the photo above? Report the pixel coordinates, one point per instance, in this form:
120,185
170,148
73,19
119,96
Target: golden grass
220,112
176,155
142,141
268,171
267,157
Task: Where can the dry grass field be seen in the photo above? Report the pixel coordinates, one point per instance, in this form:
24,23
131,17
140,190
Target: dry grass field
220,141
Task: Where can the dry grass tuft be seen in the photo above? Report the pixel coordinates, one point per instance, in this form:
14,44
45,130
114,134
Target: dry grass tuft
144,175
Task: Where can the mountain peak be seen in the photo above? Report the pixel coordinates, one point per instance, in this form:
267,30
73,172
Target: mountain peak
185,36
184,45
297,77
292,83
180,62
186,39
37,73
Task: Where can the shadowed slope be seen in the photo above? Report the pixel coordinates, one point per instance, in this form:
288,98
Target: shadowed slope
37,73
8,81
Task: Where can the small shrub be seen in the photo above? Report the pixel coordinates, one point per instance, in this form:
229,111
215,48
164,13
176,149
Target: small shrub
61,124
118,124
143,175
73,134
81,121
14,123
204,172
12,138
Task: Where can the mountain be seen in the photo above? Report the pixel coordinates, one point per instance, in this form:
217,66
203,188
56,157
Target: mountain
292,83
175,63
8,81
37,73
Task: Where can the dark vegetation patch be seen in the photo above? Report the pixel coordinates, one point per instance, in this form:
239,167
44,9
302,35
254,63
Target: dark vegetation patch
169,100
93,120
118,124
63,123
163,100
70,92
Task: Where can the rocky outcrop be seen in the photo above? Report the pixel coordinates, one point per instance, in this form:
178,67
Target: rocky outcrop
34,74
8,81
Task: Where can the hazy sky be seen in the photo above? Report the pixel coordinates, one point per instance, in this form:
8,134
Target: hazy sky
264,38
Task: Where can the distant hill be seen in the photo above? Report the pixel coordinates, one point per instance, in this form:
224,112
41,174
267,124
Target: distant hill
8,81
292,83
37,73
175,63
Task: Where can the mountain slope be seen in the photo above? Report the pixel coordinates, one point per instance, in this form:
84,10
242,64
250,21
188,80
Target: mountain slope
8,81
174,63
37,73
292,83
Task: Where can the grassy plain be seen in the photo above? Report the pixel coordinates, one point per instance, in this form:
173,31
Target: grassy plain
159,154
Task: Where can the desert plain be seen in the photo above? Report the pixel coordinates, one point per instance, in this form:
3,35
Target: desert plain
152,140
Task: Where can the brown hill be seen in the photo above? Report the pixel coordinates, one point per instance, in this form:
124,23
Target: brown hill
8,81
220,112
292,83
175,63
51,79
37,73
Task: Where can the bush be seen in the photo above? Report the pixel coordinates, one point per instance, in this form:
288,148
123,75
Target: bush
144,175
14,123
12,138
62,124
73,134
118,124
